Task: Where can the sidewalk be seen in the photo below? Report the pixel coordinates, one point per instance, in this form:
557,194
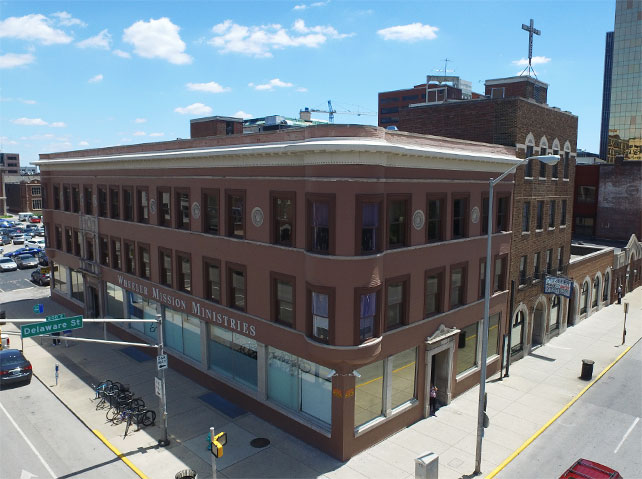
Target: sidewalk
538,387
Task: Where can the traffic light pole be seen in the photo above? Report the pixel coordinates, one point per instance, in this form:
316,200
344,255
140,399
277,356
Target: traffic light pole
163,441
213,457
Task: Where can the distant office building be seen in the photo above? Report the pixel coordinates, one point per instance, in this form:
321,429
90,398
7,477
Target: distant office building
10,163
624,105
23,194
606,95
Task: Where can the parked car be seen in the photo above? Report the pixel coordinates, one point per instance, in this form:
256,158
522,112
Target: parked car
35,219
41,275
40,231
35,242
6,239
31,251
43,259
26,261
585,469
7,264
24,216
14,367
6,223
18,239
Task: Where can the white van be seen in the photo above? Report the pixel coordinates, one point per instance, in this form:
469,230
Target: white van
24,216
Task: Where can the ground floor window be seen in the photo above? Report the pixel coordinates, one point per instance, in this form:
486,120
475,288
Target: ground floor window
115,300
467,349
233,355
142,308
368,397
554,318
60,278
182,333
77,286
493,336
516,335
299,384
404,367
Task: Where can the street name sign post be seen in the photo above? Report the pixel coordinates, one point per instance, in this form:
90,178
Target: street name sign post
161,361
53,317
58,325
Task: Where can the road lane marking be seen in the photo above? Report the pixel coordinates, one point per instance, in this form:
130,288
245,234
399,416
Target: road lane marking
24,436
626,435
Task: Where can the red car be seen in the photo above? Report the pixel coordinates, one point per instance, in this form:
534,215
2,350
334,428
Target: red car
34,219
585,469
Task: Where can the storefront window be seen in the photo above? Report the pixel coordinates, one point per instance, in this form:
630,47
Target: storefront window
368,399
77,286
403,376
182,333
60,278
233,355
493,336
516,339
467,350
115,299
142,308
300,385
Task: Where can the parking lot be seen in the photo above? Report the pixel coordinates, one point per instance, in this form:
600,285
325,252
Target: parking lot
13,280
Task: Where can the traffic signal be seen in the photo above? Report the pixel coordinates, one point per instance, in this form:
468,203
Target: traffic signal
217,444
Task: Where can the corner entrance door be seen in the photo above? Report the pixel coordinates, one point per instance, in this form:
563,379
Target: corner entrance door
92,302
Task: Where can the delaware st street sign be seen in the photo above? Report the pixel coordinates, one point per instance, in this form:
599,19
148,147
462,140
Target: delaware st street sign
56,326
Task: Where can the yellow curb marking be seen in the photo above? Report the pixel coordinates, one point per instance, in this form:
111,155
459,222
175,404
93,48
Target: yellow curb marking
120,455
553,419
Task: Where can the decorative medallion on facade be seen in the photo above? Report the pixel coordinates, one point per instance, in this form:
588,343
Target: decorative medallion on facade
196,210
152,206
474,215
418,219
257,216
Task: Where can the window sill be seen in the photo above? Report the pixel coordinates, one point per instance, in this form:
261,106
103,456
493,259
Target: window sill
528,177
468,372
563,227
551,228
565,179
542,178
538,231
526,233
522,286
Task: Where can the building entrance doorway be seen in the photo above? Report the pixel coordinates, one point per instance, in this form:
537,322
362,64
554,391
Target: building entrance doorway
539,325
92,302
440,348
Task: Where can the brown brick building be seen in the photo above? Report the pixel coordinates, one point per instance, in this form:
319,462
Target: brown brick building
514,113
23,193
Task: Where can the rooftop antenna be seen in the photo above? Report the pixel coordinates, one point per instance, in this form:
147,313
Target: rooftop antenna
445,70
531,30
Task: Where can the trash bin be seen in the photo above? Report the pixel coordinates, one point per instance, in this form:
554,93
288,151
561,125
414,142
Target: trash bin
427,466
587,369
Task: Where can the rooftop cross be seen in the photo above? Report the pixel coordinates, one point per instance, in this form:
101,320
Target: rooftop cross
531,30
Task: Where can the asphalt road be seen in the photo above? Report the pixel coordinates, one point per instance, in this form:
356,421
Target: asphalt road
41,438
604,426
19,279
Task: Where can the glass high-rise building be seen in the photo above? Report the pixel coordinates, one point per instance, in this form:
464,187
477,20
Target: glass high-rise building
624,108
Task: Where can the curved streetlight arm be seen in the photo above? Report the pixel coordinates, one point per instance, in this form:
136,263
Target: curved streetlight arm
548,159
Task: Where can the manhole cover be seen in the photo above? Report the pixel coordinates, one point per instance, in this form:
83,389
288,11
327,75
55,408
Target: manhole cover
260,442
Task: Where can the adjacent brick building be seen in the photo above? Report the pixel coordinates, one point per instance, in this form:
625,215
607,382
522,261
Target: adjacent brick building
23,193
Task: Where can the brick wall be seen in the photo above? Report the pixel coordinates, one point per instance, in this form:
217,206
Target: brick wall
593,265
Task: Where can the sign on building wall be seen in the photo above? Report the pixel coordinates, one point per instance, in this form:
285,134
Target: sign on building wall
560,286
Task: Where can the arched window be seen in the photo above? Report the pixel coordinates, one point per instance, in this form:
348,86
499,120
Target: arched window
517,333
584,298
554,318
605,291
596,292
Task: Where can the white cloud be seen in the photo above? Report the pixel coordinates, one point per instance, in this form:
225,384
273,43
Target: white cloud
194,109
83,143
96,79
29,122
33,27
259,41
28,102
211,87
157,39
121,54
156,134
5,140
412,32
140,120
139,133
300,7
535,61
301,89
65,19
242,114
12,60
275,82
102,41
58,124
303,6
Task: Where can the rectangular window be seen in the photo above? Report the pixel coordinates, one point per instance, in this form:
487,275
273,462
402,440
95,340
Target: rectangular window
144,266
236,214
283,299
367,316
89,200
60,278
165,266
396,308
183,333
164,207
66,198
184,268
460,217
586,194
435,219
115,253
320,304
182,209
233,355
369,212
56,197
536,262
434,286
75,199
69,245
493,336
563,214
58,234
237,294
36,204
35,191
482,278
499,279
554,172
368,399
102,202
402,367
89,248
457,286
526,216
551,214
397,222
528,170
540,215
115,301
211,214
549,261
567,157
320,221
501,218
103,246
212,271
77,239
522,270
560,259
114,202
128,204
130,258
467,348
542,166
77,286
142,205
484,216
283,216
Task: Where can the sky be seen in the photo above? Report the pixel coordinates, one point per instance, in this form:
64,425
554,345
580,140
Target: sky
86,74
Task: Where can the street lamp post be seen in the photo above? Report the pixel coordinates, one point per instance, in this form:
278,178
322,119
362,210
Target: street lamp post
549,160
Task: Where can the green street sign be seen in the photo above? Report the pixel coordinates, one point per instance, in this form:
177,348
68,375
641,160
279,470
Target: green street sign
54,317
56,326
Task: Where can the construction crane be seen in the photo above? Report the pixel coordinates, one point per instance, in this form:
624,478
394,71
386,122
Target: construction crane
331,111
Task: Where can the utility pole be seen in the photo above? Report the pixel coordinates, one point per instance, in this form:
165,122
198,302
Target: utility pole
163,441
